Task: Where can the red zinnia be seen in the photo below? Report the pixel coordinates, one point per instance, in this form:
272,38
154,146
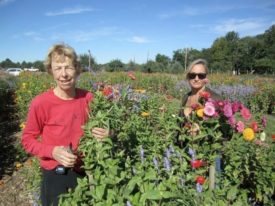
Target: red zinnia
107,91
205,95
197,164
254,126
200,180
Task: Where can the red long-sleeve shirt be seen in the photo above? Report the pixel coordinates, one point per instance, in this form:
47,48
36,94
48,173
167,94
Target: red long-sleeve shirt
57,122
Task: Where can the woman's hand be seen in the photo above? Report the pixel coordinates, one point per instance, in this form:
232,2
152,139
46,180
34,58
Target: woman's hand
63,156
100,133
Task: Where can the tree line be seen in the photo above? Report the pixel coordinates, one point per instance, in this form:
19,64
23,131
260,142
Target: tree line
229,53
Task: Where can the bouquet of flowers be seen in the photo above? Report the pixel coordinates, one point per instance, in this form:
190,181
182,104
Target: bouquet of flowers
225,135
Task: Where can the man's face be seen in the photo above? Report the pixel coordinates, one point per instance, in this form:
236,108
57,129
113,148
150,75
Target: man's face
64,72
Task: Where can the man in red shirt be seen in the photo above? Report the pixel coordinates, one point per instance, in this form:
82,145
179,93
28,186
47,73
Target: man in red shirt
53,127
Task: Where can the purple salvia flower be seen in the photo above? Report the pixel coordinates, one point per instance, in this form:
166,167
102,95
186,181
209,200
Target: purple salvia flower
167,164
171,148
142,154
155,161
128,203
167,153
199,187
192,153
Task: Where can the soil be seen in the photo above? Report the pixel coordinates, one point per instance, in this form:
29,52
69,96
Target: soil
12,179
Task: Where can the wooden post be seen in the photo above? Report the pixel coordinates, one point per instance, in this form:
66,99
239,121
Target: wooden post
186,51
212,177
90,70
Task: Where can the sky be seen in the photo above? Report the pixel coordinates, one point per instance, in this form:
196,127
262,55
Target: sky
128,30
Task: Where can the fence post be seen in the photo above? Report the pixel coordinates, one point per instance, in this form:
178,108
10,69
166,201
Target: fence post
212,171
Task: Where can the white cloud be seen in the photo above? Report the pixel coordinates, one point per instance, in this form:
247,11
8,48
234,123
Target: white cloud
66,11
5,2
35,36
84,36
242,26
30,33
139,40
195,11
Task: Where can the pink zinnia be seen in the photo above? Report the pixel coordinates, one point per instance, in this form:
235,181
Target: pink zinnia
209,110
245,113
210,103
240,126
227,110
232,121
236,106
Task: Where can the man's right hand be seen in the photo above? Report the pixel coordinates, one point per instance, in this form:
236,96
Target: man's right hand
63,156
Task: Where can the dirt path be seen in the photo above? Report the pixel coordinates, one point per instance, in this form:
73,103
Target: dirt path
13,183
13,190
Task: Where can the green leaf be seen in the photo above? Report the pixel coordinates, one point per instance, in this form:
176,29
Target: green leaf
150,195
231,194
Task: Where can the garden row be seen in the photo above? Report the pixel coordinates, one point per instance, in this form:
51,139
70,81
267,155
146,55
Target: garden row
257,93
145,164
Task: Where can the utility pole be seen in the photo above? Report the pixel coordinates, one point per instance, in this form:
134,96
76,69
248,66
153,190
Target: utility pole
90,69
185,61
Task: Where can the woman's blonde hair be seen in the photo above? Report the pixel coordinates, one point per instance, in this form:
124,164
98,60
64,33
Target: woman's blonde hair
195,62
61,51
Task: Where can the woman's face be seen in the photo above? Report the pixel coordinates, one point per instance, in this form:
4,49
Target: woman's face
64,73
197,77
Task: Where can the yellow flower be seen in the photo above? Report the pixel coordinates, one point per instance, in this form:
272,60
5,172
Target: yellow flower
18,165
141,91
200,112
145,114
248,134
24,85
22,125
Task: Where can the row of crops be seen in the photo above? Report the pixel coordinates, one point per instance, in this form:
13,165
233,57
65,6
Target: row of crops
145,165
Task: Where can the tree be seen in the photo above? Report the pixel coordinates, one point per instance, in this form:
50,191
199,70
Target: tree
251,49
179,56
162,59
7,63
176,68
151,66
225,52
84,62
132,66
265,66
115,65
39,65
25,64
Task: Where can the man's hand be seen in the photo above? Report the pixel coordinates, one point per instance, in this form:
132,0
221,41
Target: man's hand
100,133
63,156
